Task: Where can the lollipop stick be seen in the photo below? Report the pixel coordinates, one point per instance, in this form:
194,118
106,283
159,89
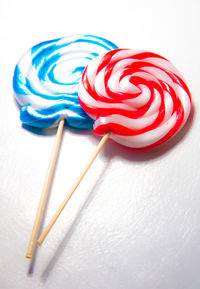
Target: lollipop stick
45,191
74,187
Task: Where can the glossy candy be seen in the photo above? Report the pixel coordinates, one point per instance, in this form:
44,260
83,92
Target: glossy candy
46,78
138,96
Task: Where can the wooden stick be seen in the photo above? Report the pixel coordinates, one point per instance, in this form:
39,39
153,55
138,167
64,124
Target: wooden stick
74,187
45,191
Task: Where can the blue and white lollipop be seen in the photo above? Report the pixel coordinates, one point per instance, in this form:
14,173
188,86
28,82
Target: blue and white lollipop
46,78
45,84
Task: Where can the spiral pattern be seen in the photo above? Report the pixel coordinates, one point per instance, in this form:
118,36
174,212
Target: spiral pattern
46,80
138,96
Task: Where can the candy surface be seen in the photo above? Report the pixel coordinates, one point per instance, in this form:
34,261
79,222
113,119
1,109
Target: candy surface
46,79
138,96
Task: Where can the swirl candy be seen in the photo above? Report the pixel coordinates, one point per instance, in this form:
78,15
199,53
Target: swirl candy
138,96
46,78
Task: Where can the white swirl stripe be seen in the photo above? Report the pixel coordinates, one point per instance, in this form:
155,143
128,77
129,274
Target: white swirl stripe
138,96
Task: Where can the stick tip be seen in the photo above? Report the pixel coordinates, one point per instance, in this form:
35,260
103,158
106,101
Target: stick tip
28,256
40,241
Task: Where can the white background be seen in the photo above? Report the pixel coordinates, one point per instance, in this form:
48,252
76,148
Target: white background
134,221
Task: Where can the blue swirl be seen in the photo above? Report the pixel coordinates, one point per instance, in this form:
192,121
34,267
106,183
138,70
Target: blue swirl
46,78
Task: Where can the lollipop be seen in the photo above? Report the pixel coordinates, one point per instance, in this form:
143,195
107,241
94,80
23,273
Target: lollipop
137,98
46,78
45,84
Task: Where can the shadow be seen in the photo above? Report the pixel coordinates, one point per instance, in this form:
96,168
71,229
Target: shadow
83,132
72,228
33,260
35,248
39,131
52,131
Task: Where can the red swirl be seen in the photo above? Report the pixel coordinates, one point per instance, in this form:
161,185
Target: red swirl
138,96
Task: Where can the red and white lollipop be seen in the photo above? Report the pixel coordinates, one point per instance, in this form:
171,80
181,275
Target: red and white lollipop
138,96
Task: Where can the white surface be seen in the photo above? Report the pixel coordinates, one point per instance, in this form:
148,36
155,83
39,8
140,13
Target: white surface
134,221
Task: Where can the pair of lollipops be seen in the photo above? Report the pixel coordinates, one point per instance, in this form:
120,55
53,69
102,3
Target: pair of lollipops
137,98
